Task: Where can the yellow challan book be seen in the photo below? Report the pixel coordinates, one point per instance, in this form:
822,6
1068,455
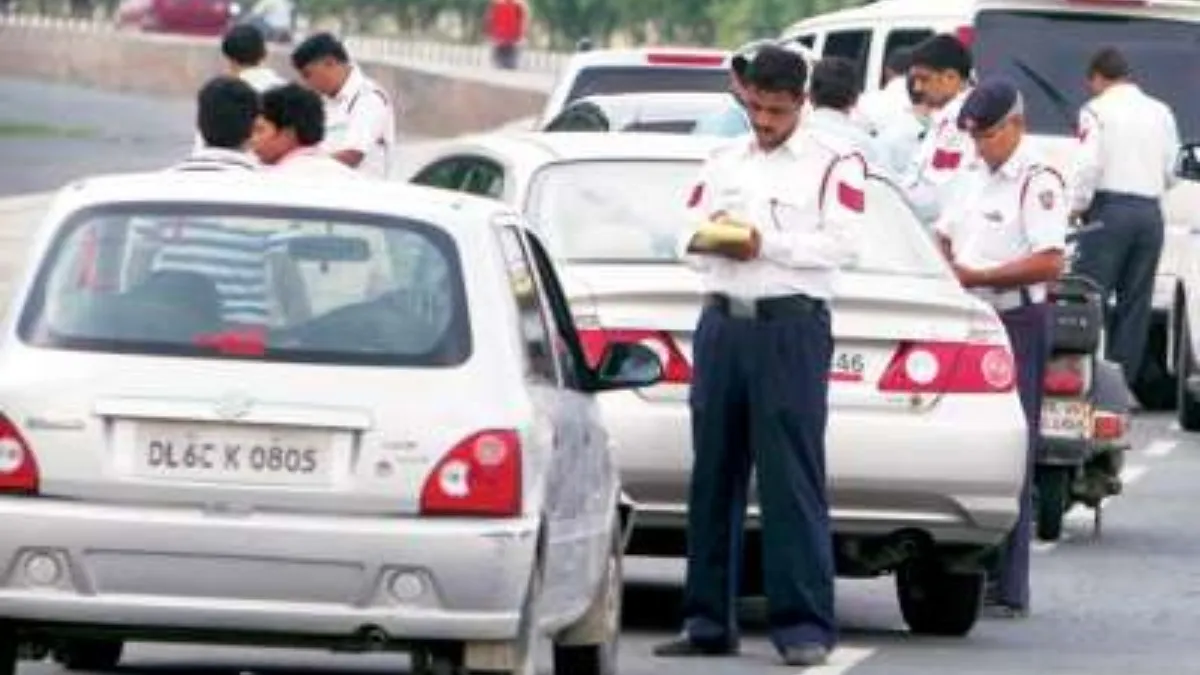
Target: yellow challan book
718,233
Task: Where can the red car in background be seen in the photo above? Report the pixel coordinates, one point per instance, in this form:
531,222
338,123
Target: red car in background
188,17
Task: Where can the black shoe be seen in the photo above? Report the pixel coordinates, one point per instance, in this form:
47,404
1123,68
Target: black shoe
1000,610
805,655
684,646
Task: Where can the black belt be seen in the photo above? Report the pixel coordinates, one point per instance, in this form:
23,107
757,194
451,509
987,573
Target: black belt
778,307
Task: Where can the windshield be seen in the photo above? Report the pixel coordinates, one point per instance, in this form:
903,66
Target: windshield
642,79
632,211
223,281
1046,54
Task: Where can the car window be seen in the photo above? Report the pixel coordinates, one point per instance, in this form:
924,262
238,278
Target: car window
230,281
1046,55
483,177
632,211
642,79
448,174
580,116
850,44
899,39
561,320
808,40
532,314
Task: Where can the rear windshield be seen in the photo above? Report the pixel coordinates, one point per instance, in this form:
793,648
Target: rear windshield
1046,54
642,79
220,282
633,211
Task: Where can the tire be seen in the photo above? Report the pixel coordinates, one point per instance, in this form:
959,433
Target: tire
1051,500
449,660
936,601
1188,411
602,617
8,649
84,655
1154,387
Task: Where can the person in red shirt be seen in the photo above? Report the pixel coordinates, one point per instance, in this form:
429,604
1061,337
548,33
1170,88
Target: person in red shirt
506,28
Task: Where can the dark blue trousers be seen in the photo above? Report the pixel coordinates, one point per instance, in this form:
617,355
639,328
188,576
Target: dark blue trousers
759,399
1122,257
1029,332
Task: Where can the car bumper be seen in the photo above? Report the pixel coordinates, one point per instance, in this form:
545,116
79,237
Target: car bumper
954,473
164,569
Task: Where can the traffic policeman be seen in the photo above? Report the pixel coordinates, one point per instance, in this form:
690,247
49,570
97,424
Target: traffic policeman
1004,235
763,348
1128,145
833,92
940,72
360,122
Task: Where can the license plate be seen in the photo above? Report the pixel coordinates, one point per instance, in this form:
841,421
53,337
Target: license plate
848,367
246,455
1066,419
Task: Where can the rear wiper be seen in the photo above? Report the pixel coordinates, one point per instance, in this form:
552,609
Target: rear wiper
1060,102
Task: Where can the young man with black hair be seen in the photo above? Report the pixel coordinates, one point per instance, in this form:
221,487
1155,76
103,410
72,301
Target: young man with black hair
246,51
778,212
881,108
941,74
226,112
833,92
901,140
360,122
291,130
1128,144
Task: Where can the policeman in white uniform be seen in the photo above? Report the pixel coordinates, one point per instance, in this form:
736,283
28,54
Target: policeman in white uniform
360,122
833,93
940,71
1004,234
762,349
1128,145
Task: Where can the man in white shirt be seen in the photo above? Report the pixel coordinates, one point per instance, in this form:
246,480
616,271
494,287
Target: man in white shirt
879,109
900,141
940,71
1128,143
360,122
833,92
246,51
291,131
763,349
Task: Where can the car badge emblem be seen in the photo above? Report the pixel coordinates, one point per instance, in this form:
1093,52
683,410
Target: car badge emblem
234,406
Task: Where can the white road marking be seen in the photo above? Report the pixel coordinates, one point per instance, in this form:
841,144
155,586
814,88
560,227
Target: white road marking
841,661
1039,546
1160,448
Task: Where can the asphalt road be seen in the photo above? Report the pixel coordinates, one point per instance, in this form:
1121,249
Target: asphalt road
1122,604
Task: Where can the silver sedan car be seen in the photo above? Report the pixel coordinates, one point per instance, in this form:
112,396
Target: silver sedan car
926,439
359,417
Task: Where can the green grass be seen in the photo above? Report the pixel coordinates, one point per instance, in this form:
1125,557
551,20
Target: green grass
10,129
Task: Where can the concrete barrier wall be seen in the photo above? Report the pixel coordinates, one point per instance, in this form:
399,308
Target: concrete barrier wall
434,101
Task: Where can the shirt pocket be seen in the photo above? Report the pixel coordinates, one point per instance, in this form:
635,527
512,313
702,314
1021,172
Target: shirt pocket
788,213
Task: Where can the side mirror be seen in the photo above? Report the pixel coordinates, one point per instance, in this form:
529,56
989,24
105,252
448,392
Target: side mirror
627,365
1187,166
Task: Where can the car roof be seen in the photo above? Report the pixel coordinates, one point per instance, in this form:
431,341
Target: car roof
907,11
639,56
456,212
549,147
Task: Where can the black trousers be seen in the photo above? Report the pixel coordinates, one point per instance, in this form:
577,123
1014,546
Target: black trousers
1122,256
759,399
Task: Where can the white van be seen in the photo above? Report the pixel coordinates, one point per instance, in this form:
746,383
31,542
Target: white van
1044,46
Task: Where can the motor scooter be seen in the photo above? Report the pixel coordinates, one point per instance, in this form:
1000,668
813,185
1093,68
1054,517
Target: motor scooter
1086,409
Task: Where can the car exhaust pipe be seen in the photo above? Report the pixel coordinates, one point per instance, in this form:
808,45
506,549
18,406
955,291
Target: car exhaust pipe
371,639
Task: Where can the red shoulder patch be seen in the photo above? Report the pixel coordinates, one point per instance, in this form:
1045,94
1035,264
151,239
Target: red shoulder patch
946,159
851,197
697,194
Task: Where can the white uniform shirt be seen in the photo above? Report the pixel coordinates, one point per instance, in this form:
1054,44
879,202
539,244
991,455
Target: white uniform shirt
880,108
806,199
839,126
360,117
1006,215
311,162
1128,144
930,181
900,141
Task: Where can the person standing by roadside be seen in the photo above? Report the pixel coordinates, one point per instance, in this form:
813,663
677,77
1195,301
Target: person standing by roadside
940,71
882,108
1004,234
226,111
290,134
360,122
1128,144
763,346
246,51
506,23
834,92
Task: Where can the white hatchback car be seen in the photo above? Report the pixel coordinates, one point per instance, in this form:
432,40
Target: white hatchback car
926,440
242,409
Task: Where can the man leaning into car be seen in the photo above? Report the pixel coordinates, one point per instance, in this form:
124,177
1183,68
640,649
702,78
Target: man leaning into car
1004,235
768,256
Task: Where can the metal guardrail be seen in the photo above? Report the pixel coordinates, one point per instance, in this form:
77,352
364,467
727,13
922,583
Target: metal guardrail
363,47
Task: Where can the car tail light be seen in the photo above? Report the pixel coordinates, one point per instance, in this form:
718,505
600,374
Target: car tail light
1065,376
684,59
1107,426
18,466
950,368
676,369
481,476
965,35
